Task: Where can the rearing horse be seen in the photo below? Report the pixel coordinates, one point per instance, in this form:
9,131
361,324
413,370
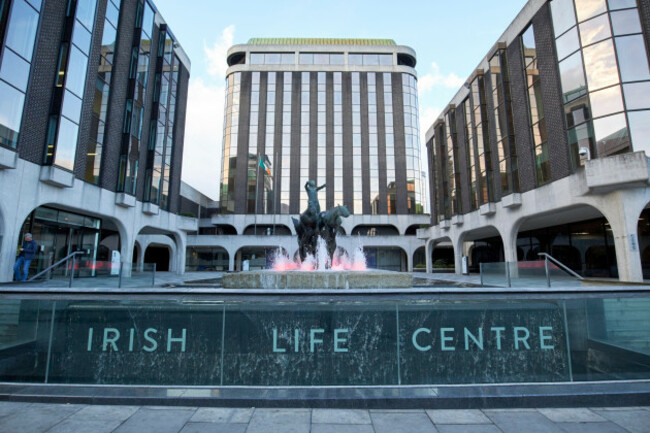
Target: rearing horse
330,221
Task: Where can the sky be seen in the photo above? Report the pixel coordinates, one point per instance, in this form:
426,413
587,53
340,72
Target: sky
450,37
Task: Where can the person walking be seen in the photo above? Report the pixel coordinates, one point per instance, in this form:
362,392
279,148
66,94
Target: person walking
27,254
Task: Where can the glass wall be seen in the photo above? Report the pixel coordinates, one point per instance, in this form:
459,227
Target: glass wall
272,59
338,138
286,144
452,169
535,106
321,58
605,77
305,99
102,92
412,139
471,155
373,145
391,199
19,24
504,125
479,111
253,171
357,171
70,84
134,112
321,141
230,131
269,145
370,59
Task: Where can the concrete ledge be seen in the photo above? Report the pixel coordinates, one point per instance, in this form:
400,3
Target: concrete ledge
125,200
444,224
487,209
187,224
374,279
511,200
150,209
626,170
56,176
457,220
8,158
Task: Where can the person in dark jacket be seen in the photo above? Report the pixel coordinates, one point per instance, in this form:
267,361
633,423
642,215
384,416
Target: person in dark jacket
25,257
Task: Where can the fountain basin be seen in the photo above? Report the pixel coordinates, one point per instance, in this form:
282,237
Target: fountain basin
268,279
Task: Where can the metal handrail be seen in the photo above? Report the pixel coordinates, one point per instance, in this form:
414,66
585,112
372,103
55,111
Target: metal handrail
49,268
561,265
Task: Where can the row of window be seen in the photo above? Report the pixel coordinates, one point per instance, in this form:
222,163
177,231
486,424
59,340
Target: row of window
321,59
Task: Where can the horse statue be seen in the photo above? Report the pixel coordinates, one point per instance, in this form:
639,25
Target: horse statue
330,221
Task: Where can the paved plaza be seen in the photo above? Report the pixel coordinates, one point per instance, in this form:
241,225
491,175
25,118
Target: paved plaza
16,417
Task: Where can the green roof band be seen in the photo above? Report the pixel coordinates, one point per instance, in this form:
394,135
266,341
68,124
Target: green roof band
320,41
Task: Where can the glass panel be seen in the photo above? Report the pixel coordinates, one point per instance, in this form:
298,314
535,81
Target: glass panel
637,95
589,8
306,59
108,40
11,113
21,33
371,59
76,72
572,78
66,144
81,37
272,58
611,135
321,59
355,59
385,59
567,43
86,12
563,16
71,107
621,4
257,59
626,22
606,101
640,130
632,58
288,58
112,14
14,70
600,65
147,20
595,30
336,59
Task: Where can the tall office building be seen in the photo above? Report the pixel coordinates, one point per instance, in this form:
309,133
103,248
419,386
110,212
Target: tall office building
545,147
342,112
92,117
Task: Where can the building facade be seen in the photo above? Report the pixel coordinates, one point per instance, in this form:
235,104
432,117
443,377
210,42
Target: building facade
93,96
341,112
545,147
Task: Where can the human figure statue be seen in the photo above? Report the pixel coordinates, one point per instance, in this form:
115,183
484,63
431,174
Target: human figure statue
311,215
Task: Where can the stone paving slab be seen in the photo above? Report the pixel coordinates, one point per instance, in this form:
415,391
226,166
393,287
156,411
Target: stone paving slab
68,418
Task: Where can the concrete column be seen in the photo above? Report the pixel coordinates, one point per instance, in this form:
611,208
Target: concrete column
140,258
623,218
458,254
427,252
181,253
231,261
409,261
8,244
127,242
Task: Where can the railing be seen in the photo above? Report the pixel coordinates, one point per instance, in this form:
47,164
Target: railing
529,274
76,271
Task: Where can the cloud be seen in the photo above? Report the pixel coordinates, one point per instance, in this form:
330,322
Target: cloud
436,79
203,137
216,55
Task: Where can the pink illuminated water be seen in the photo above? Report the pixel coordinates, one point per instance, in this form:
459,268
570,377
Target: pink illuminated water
341,262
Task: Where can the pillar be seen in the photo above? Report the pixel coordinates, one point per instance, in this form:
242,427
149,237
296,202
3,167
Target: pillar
428,251
9,231
181,253
458,254
509,239
409,261
231,261
623,217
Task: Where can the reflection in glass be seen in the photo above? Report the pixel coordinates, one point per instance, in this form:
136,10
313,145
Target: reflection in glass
355,59
589,8
637,95
606,101
567,43
600,65
632,57
11,111
621,4
76,71
21,31
640,130
580,136
14,70
563,15
595,30
572,78
304,58
71,107
66,144
611,135
626,22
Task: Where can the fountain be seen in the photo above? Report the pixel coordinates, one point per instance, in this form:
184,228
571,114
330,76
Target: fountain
320,264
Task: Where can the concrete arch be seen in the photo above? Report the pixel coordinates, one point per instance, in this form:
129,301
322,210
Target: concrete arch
405,259
160,267
281,229
412,230
226,229
363,229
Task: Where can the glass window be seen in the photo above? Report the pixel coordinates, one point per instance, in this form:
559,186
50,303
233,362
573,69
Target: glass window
355,59
288,58
336,59
66,144
632,58
600,65
71,107
621,4
572,78
112,13
81,37
86,12
567,43
640,130
35,3
306,58
637,95
607,101
147,20
108,39
611,134
595,30
257,59
589,8
385,59
272,58
14,70
11,112
371,59
76,72
21,33
626,22
563,15
321,59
